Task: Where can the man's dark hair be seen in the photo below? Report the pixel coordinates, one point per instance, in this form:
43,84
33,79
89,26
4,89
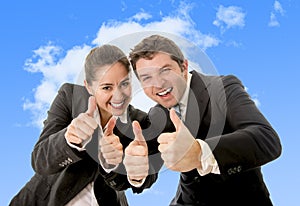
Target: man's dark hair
152,45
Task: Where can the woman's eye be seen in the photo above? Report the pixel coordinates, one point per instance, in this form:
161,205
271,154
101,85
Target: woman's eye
124,84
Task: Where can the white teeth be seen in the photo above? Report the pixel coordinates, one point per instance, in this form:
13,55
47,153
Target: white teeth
165,92
117,105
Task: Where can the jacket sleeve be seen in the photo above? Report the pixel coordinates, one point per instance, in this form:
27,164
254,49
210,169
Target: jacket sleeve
248,140
51,153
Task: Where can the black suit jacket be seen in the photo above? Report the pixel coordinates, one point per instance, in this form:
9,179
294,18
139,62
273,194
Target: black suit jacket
61,171
221,113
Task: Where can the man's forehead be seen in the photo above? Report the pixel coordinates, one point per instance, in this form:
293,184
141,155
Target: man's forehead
148,69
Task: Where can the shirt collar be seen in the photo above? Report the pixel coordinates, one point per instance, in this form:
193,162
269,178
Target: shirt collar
184,99
123,118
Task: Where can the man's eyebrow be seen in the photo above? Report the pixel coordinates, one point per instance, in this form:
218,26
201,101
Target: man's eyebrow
105,84
166,65
160,68
144,75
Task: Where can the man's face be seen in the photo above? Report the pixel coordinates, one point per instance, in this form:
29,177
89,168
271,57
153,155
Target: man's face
162,79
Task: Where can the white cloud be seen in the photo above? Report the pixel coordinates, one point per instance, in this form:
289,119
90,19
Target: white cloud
254,98
58,66
124,6
234,44
179,24
56,69
141,16
256,101
273,21
229,17
277,9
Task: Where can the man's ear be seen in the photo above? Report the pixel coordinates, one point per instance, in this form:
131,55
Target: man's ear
88,88
185,67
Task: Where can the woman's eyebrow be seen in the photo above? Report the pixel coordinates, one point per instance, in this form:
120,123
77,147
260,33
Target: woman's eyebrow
126,79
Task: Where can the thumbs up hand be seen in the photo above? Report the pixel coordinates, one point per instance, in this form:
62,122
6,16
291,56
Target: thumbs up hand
82,127
179,150
136,155
111,149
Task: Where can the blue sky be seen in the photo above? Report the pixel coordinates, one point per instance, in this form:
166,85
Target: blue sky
44,44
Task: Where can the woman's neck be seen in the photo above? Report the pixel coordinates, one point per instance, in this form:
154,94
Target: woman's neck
104,117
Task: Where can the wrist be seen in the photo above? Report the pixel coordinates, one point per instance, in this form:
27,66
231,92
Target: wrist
198,154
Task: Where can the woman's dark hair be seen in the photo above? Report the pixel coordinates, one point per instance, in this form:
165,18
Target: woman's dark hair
102,56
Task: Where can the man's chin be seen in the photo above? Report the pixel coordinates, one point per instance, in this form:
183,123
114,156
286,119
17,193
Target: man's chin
166,105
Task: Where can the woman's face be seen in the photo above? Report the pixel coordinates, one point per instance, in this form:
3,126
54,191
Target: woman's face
112,89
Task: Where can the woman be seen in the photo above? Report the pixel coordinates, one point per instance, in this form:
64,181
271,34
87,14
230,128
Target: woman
66,157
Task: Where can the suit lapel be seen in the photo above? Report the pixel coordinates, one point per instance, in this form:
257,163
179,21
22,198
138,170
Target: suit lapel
197,103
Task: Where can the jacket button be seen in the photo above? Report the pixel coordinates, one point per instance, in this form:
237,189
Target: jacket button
196,179
112,183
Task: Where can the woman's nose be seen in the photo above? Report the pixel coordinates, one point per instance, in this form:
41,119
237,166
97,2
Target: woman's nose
117,94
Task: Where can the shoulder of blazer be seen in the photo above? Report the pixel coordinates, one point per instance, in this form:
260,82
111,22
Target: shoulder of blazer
210,79
230,79
212,85
74,89
76,97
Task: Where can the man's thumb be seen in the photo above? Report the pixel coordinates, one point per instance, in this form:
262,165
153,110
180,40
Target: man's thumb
91,106
110,126
175,119
137,131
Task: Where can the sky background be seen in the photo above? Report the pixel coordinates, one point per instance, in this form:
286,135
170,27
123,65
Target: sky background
44,44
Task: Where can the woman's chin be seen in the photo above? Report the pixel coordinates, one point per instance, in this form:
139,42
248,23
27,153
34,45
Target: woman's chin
118,112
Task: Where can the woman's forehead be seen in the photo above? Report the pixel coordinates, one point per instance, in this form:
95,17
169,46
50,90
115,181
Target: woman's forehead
115,72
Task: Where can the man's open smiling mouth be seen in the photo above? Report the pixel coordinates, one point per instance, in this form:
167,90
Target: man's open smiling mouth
165,92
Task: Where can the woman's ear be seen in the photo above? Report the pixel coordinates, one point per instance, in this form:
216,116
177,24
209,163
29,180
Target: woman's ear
88,88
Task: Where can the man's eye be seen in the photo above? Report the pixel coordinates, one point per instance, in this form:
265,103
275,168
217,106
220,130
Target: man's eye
146,78
106,88
165,70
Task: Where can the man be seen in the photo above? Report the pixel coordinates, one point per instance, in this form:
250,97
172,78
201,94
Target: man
219,140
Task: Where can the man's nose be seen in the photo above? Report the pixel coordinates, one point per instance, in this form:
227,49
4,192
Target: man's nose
157,81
